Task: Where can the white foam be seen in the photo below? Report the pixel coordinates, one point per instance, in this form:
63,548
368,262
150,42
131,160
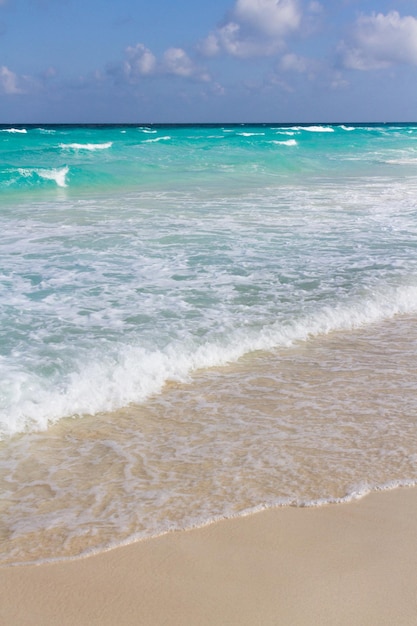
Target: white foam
56,174
86,146
315,129
358,492
403,161
166,138
207,518
133,373
22,131
289,142
251,134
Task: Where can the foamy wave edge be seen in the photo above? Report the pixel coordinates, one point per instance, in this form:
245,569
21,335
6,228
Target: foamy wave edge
314,129
132,374
21,131
357,493
57,174
86,146
156,139
288,142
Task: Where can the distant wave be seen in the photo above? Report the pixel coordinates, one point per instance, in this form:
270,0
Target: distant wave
314,129
284,132
22,131
157,139
86,146
251,134
288,142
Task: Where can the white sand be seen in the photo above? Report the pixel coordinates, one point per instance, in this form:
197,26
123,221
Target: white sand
352,564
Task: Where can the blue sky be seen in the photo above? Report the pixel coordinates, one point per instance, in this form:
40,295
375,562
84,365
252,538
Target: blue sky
218,61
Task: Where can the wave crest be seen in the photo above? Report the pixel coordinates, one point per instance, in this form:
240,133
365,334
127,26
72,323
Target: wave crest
58,175
131,374
86,146
21,131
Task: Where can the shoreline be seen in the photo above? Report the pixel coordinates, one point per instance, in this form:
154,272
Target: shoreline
339,564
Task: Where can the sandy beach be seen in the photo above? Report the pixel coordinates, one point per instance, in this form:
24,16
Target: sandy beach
339,565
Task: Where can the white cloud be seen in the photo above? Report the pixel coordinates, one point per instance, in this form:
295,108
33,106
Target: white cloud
338,81
380,41
139,62
274,18
296,64
9,81
255,28
233,40
210,46
315,7
293,63
218,89
176,61
282,84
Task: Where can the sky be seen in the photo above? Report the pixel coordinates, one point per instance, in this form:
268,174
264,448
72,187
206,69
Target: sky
185,61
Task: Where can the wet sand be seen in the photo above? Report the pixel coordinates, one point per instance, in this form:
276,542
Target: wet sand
339,565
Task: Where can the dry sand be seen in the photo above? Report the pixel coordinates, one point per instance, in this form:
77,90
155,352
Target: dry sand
352,564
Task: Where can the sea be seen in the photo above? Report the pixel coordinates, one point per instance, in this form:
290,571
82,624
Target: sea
198,322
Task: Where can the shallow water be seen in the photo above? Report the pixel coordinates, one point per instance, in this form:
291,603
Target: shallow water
200,321
325,420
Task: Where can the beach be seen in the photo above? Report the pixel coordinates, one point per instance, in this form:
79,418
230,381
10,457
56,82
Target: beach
339,564
208,367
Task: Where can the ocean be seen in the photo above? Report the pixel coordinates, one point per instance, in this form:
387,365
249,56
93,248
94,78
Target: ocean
200,322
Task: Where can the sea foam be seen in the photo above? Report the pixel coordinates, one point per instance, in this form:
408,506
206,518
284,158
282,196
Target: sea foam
58,175
86,146
133,374
315,129
21,131
156,139
288,142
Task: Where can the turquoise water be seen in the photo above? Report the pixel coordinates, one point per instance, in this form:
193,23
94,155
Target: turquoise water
141,264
